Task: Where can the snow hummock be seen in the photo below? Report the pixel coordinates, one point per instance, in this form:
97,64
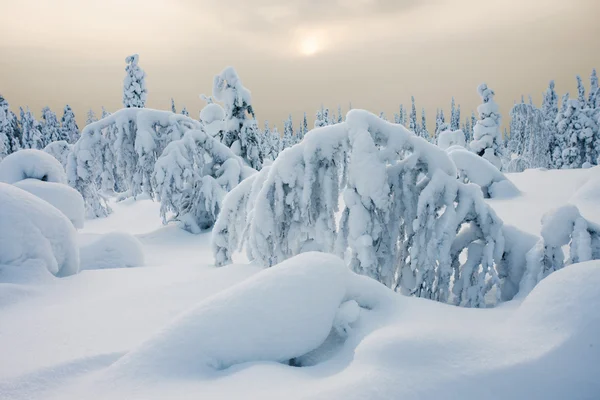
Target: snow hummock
61,196
112,250
33,232
31,163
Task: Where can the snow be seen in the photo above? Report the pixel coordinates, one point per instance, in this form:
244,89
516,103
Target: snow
112,250
61,196
31,163
33,233
70,338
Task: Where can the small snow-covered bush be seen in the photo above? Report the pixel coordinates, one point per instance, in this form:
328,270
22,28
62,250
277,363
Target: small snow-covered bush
193,175
59,150
33,231
561,227
61,196
31,164
451,138
112,250
478,170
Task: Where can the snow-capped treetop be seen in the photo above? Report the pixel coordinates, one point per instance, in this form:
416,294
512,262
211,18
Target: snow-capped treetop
134,84
594,91
580,92
486,133
50,126
91,117
236,98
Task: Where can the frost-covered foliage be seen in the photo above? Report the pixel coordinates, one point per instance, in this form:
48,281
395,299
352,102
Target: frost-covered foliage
69,128
192,176
406,220
140,136
10,132
250,140
529,143
212,117
50,127
31,164
449,138
134,84
236,99
90,117
576,129
66,199
561,227
32,131
487,140
477,170
33,233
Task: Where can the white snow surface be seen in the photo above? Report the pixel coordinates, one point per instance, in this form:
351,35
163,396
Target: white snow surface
61,196
111,250
31,164
180,328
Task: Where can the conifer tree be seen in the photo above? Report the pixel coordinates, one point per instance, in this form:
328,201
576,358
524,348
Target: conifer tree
134,84
91,117
487,140
185,112
173,109
412,125
69,128
50,127
424,133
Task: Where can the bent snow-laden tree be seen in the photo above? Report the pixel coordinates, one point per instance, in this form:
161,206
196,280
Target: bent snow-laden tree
136,137
406,219
560,227
192,176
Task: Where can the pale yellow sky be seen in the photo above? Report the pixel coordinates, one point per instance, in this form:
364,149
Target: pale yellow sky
294,55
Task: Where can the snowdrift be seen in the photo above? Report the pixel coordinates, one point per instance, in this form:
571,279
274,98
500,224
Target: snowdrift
63,197
277,315
112,250
33,231
34,164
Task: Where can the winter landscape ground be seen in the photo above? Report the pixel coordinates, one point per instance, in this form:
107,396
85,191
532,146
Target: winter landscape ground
180,328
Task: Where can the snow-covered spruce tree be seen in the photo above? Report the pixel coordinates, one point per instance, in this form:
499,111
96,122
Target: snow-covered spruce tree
340,117
32,131
454,116
251,140
487,140
559,141
423,132
581,92
141,136
185,112
406,221
134,84
50,126
9,127
320,118
304,128
192,176
212,117
69,128
173,109
560,227
594,99
412,122
237,102
576,128
110,181
288,133
90,117
549,112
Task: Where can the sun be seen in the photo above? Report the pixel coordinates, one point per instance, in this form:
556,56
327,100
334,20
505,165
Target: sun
309,46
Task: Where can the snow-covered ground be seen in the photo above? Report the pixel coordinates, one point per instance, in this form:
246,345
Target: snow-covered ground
304,329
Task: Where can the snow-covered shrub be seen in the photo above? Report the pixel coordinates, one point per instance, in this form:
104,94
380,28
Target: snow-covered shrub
112,250
59,150
282,313
561,227
212,117
139,137
475,169
450,138
33,232
487,139
31,164
406,221
61,196
517,164
192,176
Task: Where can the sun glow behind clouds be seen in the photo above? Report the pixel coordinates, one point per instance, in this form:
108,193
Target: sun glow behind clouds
309,46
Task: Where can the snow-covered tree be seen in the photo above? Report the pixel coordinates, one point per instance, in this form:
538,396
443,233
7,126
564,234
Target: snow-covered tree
212,117
576,130
454,116
594,99
32,132
10,131
251,141
304,128
487,140
549,112
50,126
185,112
134,84
412,122
59,150
340,117
173,109
581,92
192,176
288,133
90,117
237,102
406,221
69,128
423,132
320,118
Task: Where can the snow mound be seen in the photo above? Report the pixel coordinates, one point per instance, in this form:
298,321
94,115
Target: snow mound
31,163
63,197
449,138
278,314
212,112
483,173
32,230
112,250
590,191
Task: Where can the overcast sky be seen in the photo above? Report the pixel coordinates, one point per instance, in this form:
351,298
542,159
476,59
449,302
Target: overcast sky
295,55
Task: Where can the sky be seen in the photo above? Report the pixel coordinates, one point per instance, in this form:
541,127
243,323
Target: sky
296,55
